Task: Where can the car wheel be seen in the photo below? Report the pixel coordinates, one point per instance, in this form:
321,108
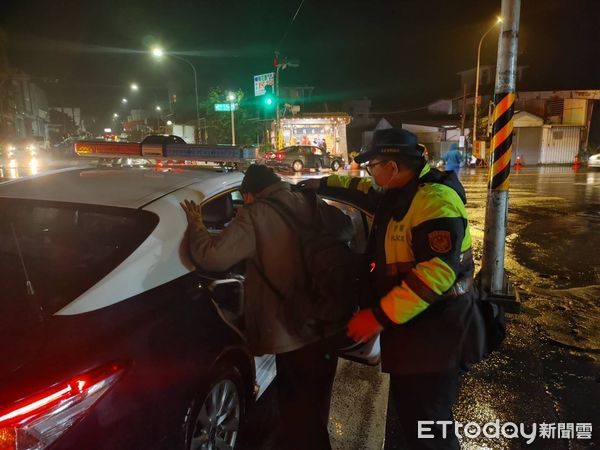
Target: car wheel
335,165
216,418
297,166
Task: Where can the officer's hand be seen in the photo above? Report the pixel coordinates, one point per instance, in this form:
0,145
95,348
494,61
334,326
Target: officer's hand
193,212
311,183
363,326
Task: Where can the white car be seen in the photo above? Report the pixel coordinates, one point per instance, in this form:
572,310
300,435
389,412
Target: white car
116,341
594,161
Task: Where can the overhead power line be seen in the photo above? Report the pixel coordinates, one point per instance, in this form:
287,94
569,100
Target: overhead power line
289,26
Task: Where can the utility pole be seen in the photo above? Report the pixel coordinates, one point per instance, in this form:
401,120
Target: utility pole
494,284
462,122
463,110
280,65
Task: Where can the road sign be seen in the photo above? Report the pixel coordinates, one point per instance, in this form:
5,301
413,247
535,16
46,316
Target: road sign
260,81
225,107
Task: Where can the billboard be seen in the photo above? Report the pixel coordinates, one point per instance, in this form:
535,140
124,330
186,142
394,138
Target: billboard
260,81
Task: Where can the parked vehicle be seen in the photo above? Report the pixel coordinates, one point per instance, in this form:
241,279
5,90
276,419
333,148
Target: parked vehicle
300,157
594,161
116,341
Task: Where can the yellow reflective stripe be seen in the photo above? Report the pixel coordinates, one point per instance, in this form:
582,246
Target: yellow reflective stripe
426,169
401,304
435,274
466,242
343,181
436,201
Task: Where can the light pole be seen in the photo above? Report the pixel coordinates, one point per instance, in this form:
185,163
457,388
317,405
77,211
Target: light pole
231,98
474,138
116,121
158,53
158,117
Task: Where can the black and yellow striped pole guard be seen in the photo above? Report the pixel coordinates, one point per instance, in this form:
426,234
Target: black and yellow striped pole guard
501,144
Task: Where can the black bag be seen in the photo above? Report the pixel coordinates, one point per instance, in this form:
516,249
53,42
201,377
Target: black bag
494,322
328,272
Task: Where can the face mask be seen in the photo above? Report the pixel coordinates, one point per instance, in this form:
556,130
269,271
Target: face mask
381,187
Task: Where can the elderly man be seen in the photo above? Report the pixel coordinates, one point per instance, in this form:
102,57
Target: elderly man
259,234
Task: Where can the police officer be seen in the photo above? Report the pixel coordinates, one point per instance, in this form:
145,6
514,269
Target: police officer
420,270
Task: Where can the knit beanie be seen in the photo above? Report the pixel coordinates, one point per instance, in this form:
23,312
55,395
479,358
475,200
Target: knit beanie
257,178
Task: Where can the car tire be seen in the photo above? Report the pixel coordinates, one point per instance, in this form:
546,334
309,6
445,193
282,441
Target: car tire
216,416
297,166
335,165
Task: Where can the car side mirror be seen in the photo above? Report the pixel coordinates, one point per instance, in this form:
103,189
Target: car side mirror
228,293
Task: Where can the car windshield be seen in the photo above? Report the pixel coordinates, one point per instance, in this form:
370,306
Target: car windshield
62,250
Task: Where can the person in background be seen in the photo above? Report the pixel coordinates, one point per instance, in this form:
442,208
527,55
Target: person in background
453,158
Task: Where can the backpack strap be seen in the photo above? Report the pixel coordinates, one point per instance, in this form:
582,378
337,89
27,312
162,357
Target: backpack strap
257,264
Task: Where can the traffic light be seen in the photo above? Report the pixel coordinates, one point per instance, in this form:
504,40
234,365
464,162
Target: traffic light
269,99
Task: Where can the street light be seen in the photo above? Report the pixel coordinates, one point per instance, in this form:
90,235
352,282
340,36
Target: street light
158,108
474,138
115,115
134,87
158,53
124,101
231,98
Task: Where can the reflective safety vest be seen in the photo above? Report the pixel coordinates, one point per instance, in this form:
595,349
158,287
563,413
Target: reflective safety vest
421,256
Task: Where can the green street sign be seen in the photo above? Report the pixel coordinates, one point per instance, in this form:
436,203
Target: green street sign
225,107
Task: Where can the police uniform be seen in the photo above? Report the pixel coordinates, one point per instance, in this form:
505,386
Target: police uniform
420,272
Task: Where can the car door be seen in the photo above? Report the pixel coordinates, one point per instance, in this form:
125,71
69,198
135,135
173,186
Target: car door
307,155
367,352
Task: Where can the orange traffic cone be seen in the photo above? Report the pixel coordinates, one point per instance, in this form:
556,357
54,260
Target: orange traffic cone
576,162
518,163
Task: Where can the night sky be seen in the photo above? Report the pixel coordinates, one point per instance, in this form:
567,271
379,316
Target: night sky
401,54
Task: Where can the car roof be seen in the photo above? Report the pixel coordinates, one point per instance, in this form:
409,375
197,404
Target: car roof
123,187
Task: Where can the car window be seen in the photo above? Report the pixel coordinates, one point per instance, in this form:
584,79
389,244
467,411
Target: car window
62,249
218,211
359,221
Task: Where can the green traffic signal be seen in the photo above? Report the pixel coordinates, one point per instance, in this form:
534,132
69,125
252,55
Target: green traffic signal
269,100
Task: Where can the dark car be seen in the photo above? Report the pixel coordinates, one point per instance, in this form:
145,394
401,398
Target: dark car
300,157
110,338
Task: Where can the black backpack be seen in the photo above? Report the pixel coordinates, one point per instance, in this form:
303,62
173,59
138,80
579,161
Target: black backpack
327,277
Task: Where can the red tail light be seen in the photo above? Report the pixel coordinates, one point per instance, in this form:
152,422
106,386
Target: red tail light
37,421
279,156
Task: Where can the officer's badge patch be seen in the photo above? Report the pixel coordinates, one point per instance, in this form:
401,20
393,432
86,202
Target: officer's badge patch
440,241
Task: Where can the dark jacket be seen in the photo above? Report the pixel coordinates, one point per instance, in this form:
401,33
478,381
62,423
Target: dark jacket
259,234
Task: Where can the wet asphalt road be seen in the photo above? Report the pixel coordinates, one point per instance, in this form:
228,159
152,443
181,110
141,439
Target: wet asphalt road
549,368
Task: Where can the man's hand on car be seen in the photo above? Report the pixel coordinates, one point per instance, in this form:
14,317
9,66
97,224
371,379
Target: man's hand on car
193,212
312,183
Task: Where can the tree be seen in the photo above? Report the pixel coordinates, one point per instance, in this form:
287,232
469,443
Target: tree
219,123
